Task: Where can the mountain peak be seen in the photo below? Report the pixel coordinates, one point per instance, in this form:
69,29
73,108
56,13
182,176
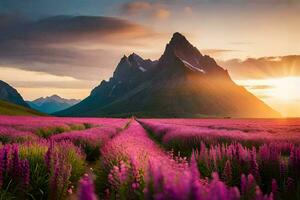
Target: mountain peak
178,37
180,50
136,58
179,41
180,46
52,103
55,96
134,55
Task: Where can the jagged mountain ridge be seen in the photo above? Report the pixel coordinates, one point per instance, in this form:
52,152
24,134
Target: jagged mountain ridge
52,104
182,83
11,95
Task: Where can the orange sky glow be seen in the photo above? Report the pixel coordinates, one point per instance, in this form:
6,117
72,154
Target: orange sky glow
257,41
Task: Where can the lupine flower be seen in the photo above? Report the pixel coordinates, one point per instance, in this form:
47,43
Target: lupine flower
274,188
86,189
227,173
218,190
70,191
195,177
1,167
283,168
259,195
15,164
248,186
25,172
5,157
243,184
48,155
290,184
137,164
55,176
254,170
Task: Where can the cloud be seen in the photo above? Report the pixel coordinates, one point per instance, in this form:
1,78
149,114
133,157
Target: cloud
154,10
230,1
188,9
76,46
241,43
161,13
55,84
260,87
136,7
264,67
217,52
70,29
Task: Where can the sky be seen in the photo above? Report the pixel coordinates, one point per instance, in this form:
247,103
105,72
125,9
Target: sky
67,47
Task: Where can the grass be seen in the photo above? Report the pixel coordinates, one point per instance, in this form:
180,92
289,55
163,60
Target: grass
46,132
7,108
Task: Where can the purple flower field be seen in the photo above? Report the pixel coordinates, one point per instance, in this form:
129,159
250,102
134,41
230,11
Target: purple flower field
103,158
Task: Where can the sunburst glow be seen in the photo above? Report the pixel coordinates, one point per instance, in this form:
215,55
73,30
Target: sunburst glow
286,89
282,94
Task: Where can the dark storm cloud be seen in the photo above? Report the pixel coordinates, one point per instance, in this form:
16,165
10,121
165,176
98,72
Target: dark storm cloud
264,67
66,45
69,29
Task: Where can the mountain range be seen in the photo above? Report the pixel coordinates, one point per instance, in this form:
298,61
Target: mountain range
52,104
182,83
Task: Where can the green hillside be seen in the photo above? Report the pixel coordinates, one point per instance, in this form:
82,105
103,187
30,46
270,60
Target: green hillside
13,109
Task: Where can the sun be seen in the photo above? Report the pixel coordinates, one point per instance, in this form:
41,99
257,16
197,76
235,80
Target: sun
285,89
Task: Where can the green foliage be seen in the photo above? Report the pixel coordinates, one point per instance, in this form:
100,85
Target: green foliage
7,108
68,158
39,176
46,132
91,150
77,162
108,180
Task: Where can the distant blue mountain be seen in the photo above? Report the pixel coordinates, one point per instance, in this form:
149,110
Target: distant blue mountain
52,104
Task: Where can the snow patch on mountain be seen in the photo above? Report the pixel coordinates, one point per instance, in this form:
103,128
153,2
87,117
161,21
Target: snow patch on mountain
142,69
191,67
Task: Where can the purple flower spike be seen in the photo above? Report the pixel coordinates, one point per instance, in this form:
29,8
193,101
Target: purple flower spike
86,189
227,173
254,169
54,178
274,187
25,172
5,158
194,167
48,155
16,164
195,177
1,167
243,184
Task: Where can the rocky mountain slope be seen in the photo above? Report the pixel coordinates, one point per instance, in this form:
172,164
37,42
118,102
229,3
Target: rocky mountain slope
182,83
